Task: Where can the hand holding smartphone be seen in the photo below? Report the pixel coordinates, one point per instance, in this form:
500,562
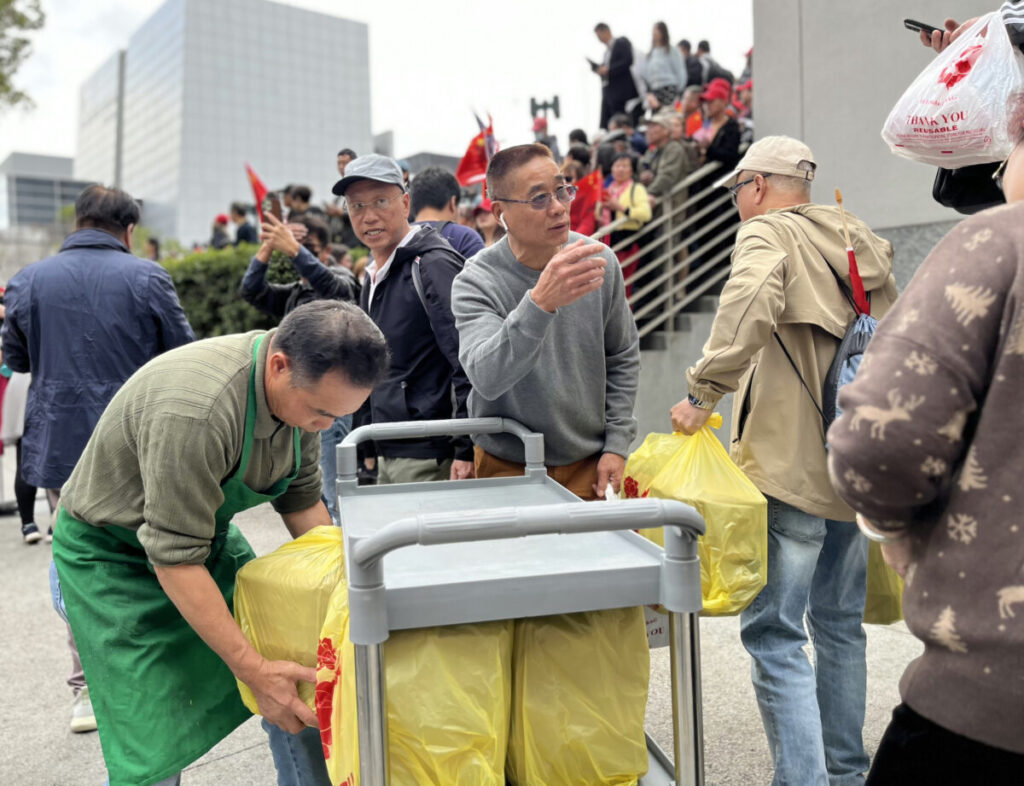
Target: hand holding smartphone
272,206
920,27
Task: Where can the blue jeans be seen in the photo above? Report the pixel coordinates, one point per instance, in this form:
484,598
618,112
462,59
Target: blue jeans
299,758
329,439
813,715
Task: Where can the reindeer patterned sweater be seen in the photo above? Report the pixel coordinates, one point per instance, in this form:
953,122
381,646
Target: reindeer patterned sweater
931,444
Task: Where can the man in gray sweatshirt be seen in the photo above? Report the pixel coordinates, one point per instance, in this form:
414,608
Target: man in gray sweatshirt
546,336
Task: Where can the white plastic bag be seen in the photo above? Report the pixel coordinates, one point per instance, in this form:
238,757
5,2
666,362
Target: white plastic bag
958,110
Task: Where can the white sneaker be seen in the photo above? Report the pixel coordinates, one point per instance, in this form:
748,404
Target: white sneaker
82,718
30,533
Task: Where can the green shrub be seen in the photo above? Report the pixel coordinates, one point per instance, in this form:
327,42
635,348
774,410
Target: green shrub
208,284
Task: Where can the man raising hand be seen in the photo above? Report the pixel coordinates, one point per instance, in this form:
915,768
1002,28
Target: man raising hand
545,334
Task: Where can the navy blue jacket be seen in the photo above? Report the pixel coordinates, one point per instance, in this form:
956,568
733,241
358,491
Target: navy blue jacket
321,283
82,322
425,374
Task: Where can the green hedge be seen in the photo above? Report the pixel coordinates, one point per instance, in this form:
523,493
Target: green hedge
208,283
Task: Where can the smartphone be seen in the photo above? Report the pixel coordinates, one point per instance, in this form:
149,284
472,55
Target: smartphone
272,206
921,27
593,66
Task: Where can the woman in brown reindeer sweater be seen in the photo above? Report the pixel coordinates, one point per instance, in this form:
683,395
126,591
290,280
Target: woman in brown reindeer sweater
930,451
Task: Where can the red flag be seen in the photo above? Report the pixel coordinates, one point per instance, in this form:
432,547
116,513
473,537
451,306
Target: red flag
581,209
473,166
860,297
259,191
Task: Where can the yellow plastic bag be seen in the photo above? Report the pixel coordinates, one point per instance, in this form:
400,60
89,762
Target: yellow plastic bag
281,601
448,693
697,470
579,691
884,602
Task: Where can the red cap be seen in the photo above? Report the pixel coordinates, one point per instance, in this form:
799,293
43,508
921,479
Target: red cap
540,124
221,218
717,88
748,85
483,207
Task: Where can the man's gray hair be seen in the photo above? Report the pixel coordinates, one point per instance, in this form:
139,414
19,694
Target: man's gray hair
790,184
330,335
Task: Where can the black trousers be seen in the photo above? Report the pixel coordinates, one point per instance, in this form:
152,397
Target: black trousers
914,750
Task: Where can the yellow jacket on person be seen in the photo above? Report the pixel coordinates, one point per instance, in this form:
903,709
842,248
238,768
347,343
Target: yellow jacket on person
779,283
638,208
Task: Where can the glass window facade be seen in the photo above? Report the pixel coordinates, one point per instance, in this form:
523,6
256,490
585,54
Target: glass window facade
209,86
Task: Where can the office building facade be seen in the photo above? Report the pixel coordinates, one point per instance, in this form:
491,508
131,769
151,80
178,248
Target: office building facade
205,86
35,188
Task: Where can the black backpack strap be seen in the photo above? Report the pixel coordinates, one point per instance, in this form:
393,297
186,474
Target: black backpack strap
800,377
440,226
417,284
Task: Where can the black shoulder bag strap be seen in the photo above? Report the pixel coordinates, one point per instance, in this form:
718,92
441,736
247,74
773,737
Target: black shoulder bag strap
800,377
849,299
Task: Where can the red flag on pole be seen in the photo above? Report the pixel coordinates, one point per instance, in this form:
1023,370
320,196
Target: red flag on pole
473,166
581,209
259,191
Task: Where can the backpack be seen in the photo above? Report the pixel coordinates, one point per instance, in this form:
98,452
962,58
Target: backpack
851,349
417,278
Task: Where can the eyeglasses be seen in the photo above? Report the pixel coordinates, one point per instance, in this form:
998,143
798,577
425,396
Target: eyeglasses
564,194
377,205
735,190
997,176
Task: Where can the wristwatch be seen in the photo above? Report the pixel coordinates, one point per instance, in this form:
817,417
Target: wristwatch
698,403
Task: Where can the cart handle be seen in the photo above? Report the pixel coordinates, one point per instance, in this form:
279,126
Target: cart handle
680,573
428,529
533,443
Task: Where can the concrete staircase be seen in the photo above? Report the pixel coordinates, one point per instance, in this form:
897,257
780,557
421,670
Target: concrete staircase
664,358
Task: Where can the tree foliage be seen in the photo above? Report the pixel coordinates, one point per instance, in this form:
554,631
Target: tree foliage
17,17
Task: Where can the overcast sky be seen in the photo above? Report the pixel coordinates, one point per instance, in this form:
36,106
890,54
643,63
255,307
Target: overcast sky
431,64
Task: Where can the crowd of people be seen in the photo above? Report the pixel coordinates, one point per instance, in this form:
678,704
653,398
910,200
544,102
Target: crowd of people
149,442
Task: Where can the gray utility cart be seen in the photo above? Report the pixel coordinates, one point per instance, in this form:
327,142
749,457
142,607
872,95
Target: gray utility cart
417,557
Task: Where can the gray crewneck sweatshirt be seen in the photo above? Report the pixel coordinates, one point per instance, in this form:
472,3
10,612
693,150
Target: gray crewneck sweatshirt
571,375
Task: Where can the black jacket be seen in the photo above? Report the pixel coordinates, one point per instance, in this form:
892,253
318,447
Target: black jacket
621,87
425,370
324,283
246,233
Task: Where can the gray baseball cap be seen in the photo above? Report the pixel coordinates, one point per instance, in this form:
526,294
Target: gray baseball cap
370,167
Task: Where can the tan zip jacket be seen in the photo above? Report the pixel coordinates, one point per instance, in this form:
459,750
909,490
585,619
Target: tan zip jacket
779,283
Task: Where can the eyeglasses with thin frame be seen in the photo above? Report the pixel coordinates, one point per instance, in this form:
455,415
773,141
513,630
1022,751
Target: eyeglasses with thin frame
377,205
734,191
564,194
997,176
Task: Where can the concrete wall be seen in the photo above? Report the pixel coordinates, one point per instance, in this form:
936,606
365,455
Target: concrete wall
829,74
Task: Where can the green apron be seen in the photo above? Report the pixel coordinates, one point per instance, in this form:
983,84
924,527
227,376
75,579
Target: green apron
162,697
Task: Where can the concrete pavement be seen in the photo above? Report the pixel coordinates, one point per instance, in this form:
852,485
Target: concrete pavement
35,703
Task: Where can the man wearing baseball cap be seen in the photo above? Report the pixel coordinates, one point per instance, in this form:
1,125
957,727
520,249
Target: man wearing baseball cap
407,293
782,314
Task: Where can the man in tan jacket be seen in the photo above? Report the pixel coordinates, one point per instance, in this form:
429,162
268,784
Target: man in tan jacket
781,296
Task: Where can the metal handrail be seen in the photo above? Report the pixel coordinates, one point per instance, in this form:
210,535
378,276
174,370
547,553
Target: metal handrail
680,250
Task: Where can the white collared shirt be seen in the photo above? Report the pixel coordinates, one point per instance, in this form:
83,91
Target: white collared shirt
375,274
